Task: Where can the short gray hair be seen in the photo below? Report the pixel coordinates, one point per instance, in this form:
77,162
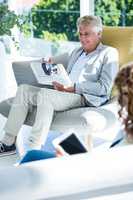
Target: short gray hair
95,21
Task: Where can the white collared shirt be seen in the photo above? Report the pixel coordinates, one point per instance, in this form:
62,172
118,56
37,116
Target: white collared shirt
93,74
78,68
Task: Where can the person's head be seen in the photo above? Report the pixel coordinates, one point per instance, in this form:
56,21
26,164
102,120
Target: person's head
124,84
90,31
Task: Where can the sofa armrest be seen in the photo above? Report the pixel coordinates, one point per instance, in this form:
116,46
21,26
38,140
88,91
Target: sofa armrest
81,176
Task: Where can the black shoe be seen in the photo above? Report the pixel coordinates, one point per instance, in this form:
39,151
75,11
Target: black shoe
6,150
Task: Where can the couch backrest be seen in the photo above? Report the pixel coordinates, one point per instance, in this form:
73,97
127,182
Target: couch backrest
122,39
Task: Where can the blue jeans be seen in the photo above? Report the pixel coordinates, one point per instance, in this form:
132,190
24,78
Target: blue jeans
34,155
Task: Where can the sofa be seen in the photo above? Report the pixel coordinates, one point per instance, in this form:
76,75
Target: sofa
83,121
100,174
79,120
76,120
95,176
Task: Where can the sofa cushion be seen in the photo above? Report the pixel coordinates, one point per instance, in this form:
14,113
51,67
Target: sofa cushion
122,39
82,121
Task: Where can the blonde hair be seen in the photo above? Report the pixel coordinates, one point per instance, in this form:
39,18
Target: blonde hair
95,21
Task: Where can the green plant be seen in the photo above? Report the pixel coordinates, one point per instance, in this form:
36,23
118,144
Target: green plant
54,36
56,17
7,19
24,24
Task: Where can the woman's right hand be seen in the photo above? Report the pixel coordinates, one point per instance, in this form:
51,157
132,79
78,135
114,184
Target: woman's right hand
60,152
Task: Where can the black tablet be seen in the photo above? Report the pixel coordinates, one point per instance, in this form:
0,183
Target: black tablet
70,143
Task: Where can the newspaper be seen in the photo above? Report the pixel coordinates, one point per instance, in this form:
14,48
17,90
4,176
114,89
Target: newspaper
61,76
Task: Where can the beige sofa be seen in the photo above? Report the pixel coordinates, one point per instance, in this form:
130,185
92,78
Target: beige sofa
95,176
101,121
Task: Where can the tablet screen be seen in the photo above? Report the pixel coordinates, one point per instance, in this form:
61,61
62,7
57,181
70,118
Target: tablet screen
72,145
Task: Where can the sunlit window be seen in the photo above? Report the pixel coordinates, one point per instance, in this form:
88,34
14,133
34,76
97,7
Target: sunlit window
115,13
55,21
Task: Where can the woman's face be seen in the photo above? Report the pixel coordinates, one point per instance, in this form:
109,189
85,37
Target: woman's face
89,39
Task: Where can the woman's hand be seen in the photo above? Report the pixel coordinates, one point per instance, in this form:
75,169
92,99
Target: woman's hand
59,153
60,87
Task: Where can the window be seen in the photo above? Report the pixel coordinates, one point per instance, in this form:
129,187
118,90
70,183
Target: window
115,12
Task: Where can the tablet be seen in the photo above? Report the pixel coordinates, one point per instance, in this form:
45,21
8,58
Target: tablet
70,143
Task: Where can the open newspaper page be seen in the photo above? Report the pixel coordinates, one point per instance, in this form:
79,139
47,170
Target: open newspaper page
60,76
